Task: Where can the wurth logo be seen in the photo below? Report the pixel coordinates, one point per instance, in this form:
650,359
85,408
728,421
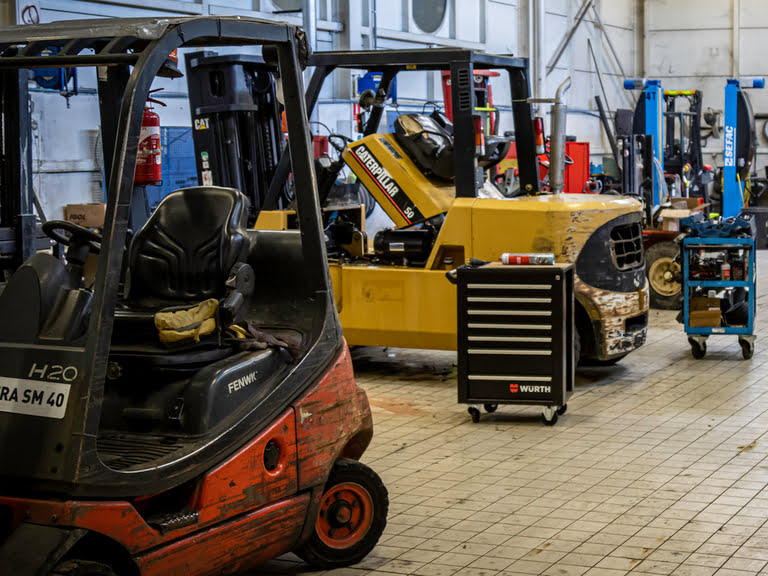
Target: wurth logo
529,389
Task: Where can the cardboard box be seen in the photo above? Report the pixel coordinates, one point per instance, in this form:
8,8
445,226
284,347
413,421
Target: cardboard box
88,215
91,216
680,208
705,319
670,219
691,204
705,313
705,303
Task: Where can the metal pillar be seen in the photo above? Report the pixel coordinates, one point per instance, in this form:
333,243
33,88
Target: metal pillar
538,48
309,22
351,38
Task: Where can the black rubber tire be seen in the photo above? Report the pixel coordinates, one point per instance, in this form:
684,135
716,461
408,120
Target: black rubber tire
698,350
315,552
660,301
475,413
490,408
747,349
562,410
82,568
549,422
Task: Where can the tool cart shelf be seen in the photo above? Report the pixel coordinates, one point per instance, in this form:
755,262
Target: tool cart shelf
515,337
703,315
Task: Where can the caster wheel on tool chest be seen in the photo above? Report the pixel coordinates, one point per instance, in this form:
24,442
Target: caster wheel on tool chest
747,348
490,408
550,422
475,413
562,410
698,350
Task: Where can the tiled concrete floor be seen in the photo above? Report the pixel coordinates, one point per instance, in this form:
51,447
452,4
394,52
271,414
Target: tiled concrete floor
658,467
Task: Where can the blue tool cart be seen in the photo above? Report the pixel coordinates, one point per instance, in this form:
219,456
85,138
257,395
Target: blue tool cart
719,291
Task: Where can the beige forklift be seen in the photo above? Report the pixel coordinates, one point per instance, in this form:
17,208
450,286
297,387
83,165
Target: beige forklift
435,180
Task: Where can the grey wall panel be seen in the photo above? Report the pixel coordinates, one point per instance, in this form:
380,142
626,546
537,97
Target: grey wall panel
468,23
754,14
502,32
691,53
683,15
753,54
619,14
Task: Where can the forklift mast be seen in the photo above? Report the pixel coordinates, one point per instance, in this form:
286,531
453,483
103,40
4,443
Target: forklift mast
483,91
236,124
19,235
688,149
649,121
665,138
461,66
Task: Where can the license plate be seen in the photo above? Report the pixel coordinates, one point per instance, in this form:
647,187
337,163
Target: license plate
33,397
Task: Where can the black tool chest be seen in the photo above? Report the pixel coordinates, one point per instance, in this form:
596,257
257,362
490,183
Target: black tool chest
516,337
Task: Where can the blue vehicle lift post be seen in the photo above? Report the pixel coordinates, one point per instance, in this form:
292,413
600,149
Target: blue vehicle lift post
733,187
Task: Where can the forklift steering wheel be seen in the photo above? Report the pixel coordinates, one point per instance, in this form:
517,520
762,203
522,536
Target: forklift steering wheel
54,228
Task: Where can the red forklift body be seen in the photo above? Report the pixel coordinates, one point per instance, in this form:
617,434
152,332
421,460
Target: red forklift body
240,514
193,410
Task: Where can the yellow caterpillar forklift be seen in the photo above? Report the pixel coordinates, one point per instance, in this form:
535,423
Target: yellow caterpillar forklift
434,179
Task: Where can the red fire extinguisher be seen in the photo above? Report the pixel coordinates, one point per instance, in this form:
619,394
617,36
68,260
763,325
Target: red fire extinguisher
149,167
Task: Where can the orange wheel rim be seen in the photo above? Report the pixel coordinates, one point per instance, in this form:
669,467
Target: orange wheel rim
345,516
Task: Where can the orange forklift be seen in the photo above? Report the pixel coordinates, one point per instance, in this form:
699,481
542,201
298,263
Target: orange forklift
193,411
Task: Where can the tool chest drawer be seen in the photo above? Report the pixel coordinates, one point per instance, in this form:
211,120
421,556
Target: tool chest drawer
515,334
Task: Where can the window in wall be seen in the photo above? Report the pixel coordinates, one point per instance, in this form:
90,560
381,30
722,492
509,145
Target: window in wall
287,4
429,14
323,7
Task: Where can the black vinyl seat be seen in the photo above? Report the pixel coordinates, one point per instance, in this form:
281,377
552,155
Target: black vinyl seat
181,256
429,141
187,248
